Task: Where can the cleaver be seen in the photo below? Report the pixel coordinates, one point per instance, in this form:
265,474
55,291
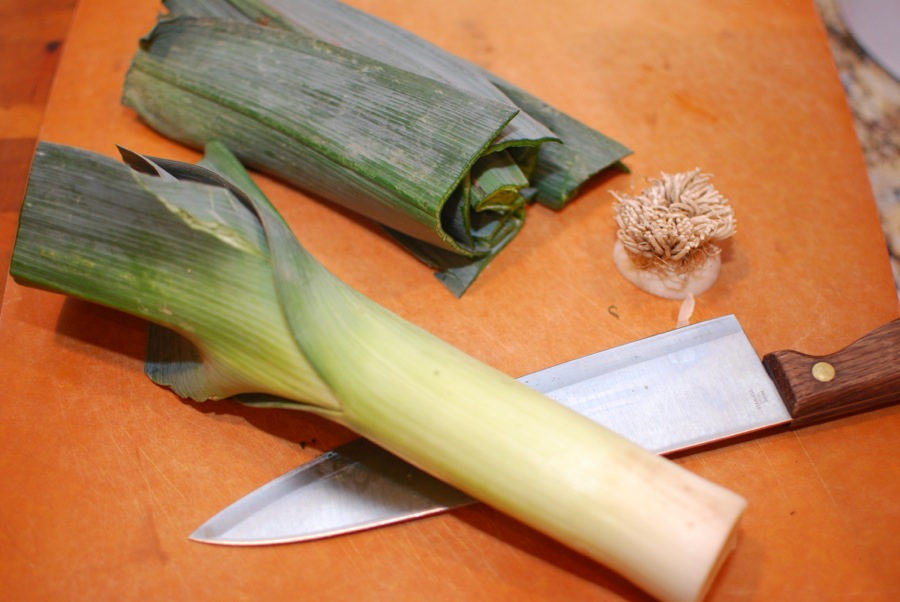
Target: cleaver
671,392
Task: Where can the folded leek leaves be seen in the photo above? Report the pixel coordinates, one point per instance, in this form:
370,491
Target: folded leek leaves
241,310
341,25
364,114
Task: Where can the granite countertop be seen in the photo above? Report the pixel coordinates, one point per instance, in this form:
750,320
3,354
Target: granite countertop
874,98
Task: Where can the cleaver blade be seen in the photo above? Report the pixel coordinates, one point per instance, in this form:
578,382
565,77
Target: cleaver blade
669,393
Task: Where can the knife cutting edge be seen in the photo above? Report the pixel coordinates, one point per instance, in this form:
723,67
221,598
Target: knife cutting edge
668,393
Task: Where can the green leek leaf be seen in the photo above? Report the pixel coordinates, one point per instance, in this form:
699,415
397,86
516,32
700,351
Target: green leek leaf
346,27
366,135
560,170
383,142
583,154
173,107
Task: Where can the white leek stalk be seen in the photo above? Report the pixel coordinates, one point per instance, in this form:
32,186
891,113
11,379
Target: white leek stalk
241,309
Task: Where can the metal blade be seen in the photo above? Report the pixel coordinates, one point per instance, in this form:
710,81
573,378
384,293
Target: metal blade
669,392
357,486
673,391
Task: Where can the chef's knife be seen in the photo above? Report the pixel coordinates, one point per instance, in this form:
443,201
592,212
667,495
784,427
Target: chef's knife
670,392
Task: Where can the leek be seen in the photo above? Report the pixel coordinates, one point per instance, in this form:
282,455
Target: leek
298,99
239,309
565,167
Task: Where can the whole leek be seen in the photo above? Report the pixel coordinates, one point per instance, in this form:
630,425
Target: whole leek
240,309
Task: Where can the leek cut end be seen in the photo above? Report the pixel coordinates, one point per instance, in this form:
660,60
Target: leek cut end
663,280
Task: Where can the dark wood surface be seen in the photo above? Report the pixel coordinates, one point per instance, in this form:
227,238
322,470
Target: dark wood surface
32,38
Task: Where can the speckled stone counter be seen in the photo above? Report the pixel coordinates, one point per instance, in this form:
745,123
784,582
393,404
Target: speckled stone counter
874,98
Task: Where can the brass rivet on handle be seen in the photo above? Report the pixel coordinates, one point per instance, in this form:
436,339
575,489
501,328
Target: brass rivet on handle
823,372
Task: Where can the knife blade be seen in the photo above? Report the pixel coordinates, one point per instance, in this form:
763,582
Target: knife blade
671,392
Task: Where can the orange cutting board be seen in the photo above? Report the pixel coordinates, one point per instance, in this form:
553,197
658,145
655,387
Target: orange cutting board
105,475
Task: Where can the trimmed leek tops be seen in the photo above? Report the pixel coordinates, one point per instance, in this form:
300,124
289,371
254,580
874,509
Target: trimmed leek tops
240,309
354,110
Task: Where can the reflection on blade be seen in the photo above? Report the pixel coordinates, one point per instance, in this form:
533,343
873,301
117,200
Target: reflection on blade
672,391
357,486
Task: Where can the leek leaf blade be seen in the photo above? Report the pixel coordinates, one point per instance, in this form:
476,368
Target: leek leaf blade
562,169
378,140
163,262
532,139
584,152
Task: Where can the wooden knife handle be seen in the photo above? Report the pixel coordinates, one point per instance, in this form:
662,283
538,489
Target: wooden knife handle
863,375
